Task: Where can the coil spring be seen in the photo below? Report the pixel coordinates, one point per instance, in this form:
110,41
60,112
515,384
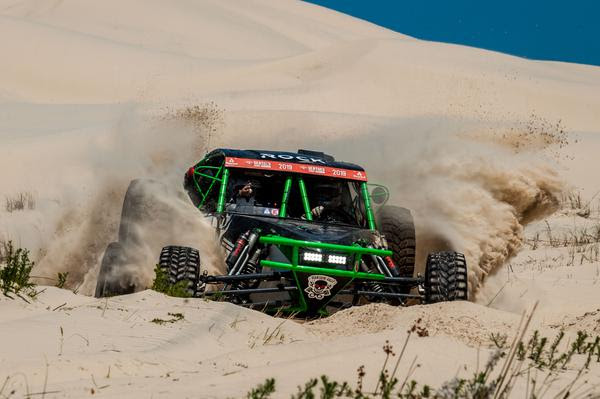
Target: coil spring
376,287
249,268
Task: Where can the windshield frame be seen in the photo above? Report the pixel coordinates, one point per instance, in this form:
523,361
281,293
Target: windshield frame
364,203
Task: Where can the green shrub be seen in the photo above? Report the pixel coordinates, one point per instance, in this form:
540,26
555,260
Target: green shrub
262,391
162,284
14,274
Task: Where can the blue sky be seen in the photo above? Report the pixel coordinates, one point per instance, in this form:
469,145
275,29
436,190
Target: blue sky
548,30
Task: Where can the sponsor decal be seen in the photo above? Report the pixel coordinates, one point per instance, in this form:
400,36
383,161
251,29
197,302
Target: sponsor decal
289,157
291,167
316,170
262,164
319,286
231,161
271,211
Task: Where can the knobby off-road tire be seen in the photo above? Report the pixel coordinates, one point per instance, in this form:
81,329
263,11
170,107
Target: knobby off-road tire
111,279
397,225
446,277
181,264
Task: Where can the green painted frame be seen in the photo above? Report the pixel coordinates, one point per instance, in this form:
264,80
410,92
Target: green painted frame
216,178
295,267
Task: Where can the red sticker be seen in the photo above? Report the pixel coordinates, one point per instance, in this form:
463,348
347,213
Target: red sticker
231,162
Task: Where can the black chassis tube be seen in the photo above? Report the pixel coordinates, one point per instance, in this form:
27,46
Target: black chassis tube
379,294
403,281
251,291
294,288
411,281
242,277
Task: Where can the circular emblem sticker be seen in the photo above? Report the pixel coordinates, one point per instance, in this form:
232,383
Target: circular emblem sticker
319,286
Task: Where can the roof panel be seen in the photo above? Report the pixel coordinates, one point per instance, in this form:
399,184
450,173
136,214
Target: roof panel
283,156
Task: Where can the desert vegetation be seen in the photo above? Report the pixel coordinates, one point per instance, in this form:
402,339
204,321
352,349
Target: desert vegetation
162,284
547,367
581,238
19,202
15,272
173,318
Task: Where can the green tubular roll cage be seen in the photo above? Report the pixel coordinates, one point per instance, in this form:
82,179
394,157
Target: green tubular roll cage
222,176
294,266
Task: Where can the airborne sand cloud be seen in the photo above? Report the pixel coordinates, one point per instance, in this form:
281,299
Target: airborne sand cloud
466,195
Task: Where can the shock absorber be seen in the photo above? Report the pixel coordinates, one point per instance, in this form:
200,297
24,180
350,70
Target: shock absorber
391,266
250,267
373,286
236,252
240,253
386,264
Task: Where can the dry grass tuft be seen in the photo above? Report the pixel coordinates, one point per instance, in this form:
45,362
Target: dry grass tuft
20,202
572,202
582,239
3,251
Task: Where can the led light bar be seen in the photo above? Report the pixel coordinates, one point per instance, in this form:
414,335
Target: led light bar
336,259
312,257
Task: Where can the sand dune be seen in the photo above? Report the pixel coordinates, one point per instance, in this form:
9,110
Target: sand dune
483,146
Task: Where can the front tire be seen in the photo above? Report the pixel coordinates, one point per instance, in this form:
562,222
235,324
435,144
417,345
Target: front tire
446,277
182,266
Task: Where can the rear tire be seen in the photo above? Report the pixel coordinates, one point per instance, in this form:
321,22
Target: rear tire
397,225
137,209
112,279
182,264
446,277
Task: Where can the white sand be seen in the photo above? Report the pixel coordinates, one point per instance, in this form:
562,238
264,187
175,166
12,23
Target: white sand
479,144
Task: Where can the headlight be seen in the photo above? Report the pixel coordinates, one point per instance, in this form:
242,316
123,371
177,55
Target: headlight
312,257
336,259
323,258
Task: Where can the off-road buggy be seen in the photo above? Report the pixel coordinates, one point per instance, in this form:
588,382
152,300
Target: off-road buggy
301,233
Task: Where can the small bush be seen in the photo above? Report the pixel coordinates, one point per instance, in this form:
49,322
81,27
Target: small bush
61,279
162,284
14,275
262,391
